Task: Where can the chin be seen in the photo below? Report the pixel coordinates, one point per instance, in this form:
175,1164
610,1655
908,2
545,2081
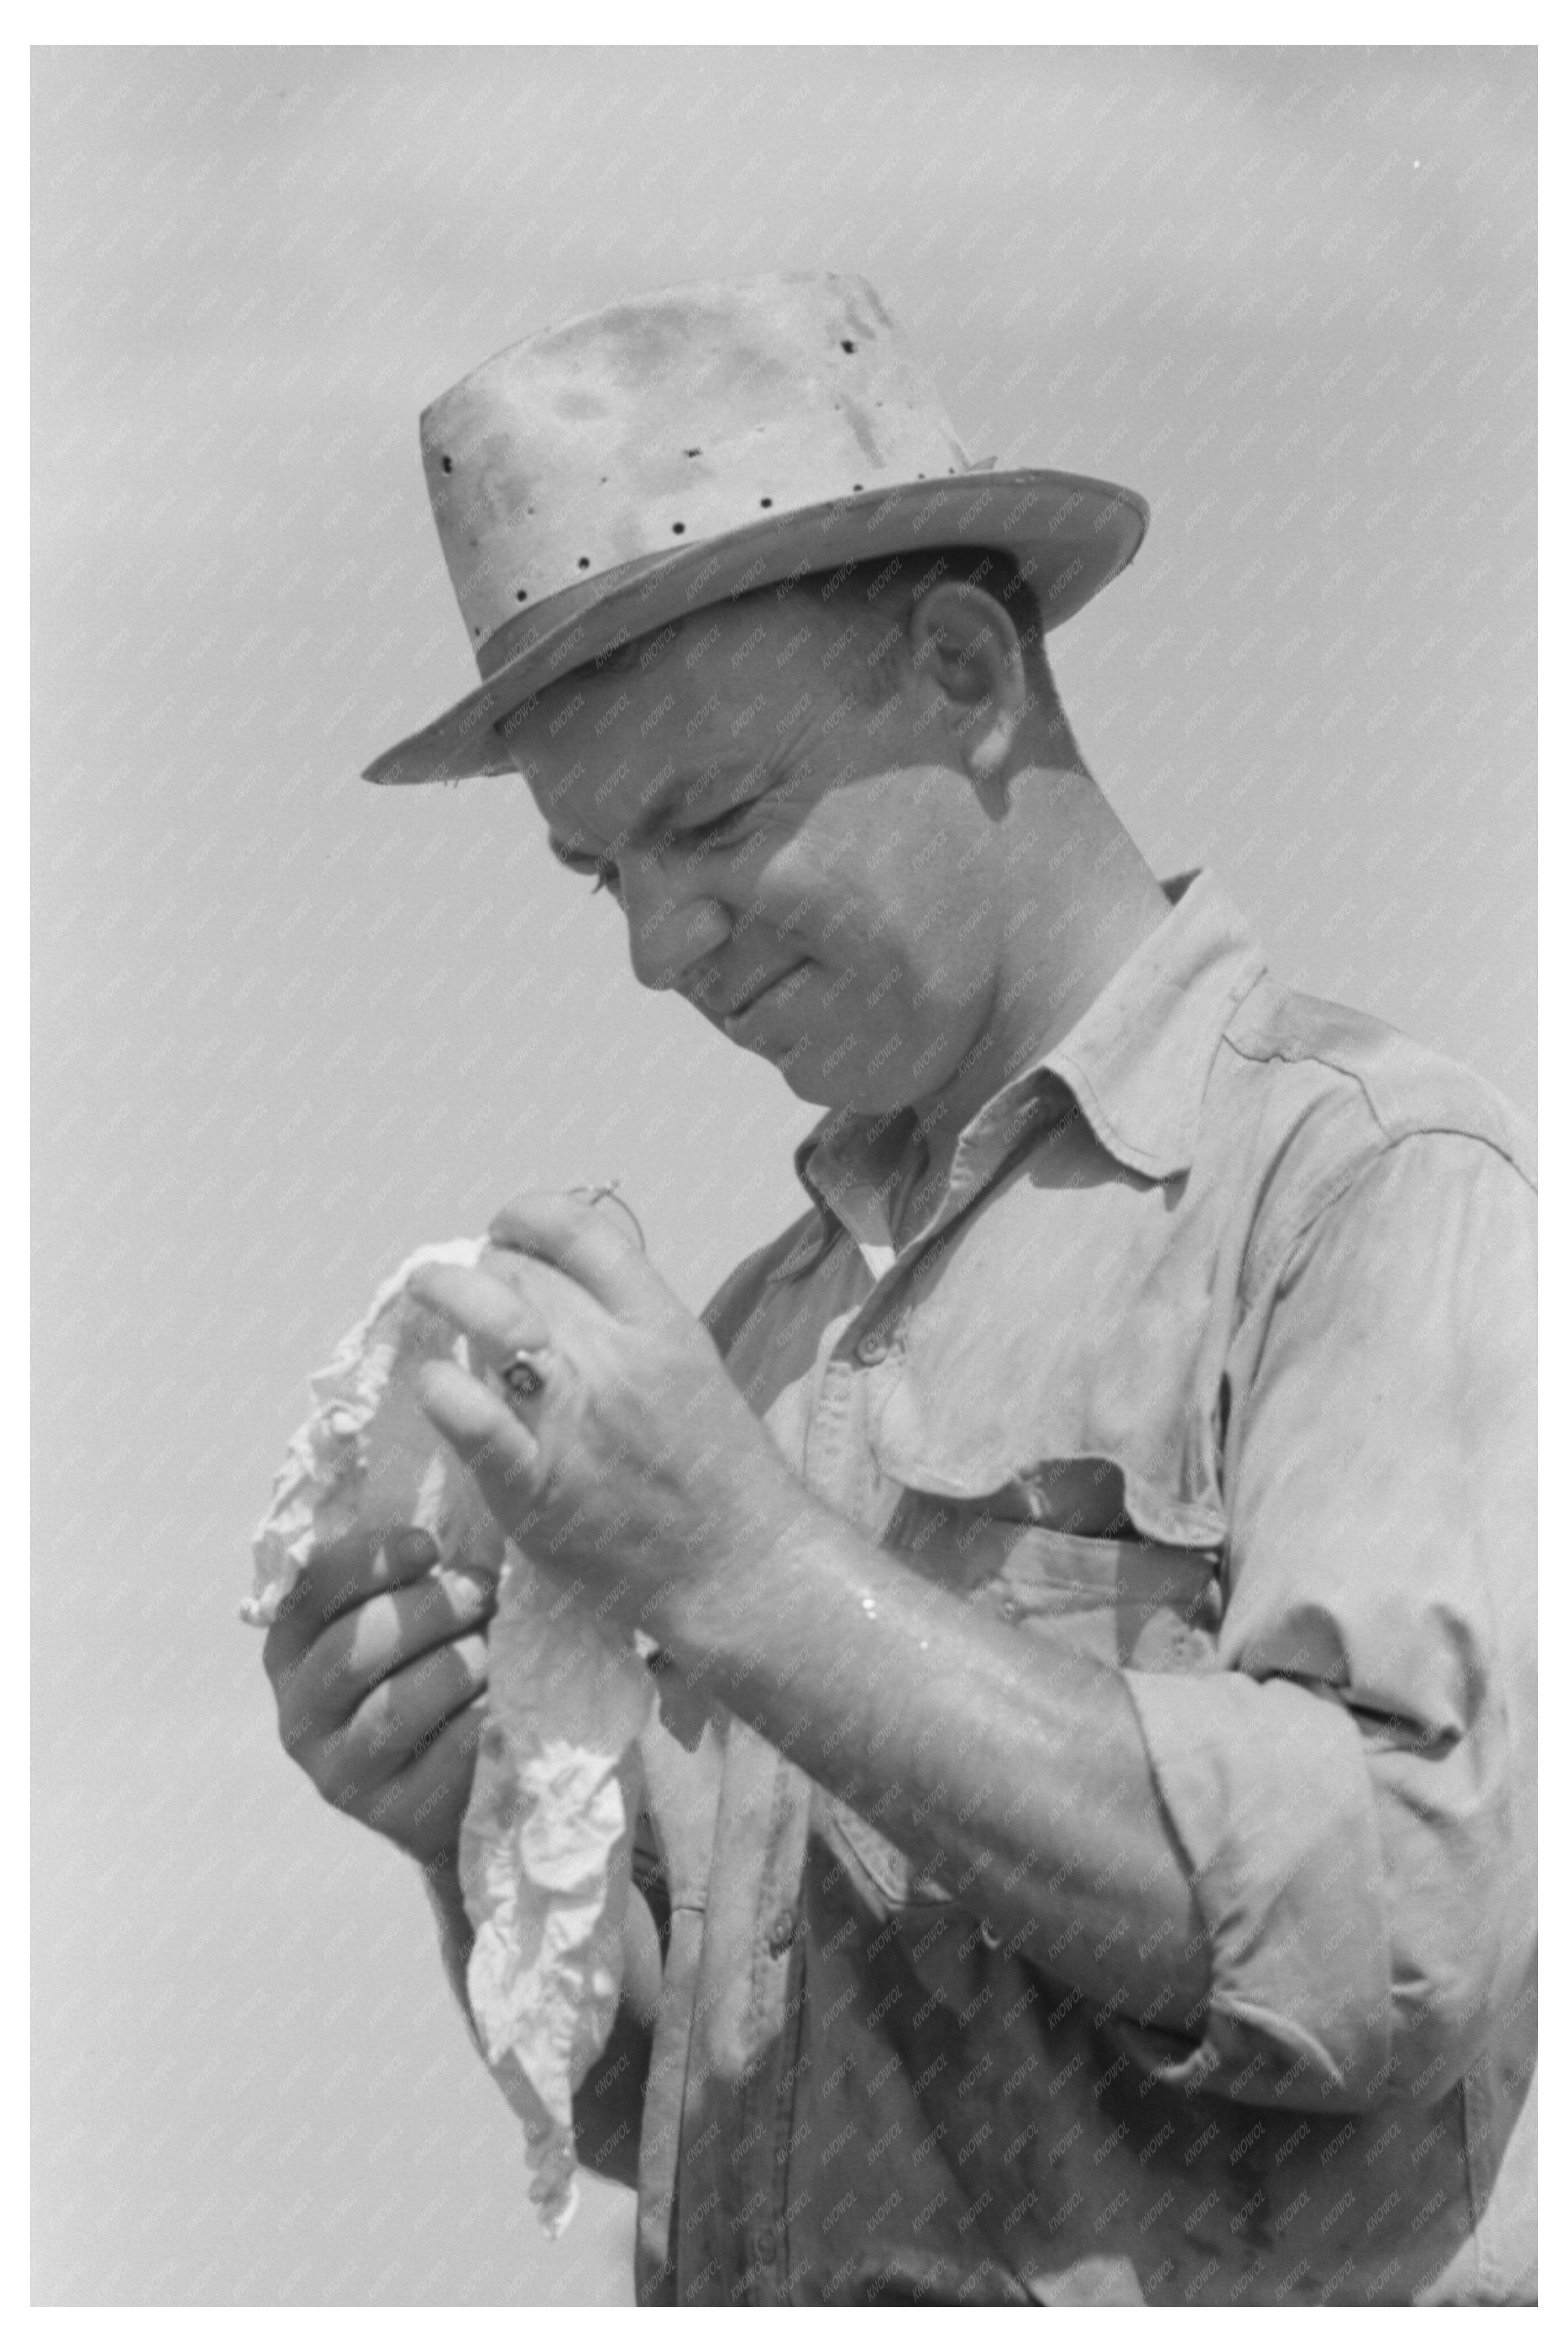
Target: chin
802,1076
843,1088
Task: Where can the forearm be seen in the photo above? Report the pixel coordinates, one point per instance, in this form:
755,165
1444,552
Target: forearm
1013,1768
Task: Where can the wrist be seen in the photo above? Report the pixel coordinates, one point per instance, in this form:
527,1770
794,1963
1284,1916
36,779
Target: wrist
708,1610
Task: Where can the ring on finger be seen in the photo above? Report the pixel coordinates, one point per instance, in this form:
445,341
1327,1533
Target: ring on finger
521,1378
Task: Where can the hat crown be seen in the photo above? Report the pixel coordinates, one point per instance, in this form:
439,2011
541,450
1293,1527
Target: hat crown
674,417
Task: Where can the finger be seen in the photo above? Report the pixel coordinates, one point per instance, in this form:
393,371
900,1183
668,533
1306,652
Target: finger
396,1722
366,1645
369,1561
502,1453
498,1316
292,1630
423,1807
589,1248
336,1578
397,1719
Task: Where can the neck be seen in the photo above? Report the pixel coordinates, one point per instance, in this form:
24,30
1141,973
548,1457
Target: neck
1070,932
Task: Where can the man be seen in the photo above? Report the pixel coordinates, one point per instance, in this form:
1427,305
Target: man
1092,1544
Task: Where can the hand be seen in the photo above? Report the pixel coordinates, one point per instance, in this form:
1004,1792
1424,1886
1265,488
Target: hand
380,1671
638,1466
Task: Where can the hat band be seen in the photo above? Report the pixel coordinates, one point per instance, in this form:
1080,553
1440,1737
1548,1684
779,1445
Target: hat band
840,515
514,639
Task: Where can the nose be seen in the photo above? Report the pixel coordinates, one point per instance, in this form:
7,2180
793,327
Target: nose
670,925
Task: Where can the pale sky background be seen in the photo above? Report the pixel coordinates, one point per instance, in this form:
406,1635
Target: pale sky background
287,1027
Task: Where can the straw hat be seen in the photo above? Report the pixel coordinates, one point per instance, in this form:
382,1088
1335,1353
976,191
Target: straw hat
614,474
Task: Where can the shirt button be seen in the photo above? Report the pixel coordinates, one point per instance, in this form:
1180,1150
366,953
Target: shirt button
872,1349
767,2245
782,1934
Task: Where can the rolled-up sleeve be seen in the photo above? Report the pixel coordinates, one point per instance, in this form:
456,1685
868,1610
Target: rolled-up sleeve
1353,1790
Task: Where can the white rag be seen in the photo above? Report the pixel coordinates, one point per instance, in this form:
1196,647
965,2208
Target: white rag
545,1854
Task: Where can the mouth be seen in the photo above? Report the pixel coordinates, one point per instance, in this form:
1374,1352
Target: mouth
767,992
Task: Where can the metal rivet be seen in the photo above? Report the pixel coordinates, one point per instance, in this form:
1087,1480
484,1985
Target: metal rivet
871,1348
767,2245
782,1934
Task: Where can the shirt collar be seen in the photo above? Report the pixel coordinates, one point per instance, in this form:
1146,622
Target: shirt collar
1136,1063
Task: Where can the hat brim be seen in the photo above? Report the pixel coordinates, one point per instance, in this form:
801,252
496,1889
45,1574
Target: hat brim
1070,534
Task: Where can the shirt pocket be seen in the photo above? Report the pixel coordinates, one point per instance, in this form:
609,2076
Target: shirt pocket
1127,1602
1121,1598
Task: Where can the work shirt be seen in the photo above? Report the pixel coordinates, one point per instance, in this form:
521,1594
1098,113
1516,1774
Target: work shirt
1213,1360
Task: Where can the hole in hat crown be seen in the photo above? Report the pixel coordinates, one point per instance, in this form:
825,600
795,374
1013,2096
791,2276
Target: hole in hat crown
677,527
766,502
846,347
582,563
446,465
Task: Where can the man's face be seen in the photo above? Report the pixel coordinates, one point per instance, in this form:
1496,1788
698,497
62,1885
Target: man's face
812,870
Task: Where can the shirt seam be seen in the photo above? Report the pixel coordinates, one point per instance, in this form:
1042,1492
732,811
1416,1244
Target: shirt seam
1306,1209
1393,1129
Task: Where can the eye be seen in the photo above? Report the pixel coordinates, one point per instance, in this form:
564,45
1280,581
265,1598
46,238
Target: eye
576,861
605,876
713,836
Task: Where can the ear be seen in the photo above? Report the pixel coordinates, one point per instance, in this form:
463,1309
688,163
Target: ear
963,641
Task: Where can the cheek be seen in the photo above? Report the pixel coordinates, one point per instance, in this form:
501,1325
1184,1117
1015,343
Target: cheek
801,881
853,887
